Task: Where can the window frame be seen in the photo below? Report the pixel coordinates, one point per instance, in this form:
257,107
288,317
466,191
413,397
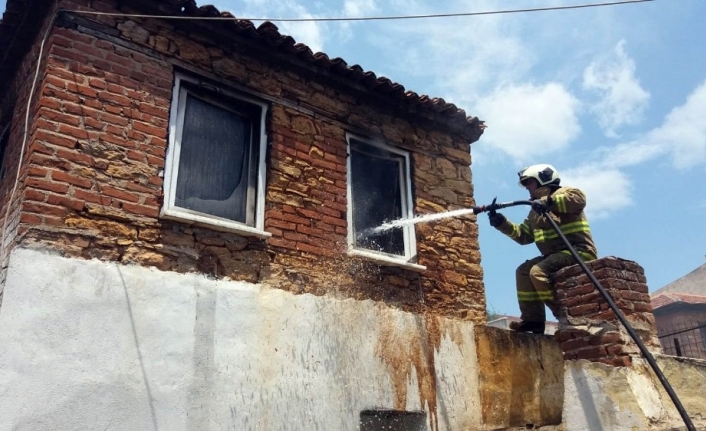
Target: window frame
408,232
171,168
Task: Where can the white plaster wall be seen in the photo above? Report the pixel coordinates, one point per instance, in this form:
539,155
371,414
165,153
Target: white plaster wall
89,345
598,397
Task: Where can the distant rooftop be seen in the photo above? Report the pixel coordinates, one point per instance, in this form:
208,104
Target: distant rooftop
692,283
664,299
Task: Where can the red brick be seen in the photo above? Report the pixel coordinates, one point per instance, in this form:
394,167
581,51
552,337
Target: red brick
139,188
61,41
309,248
73,131
65,201
308,213
580,290
594,352
278,242
39,208
34,195
135,155
47,185
155,161
337,206
97,83
46,102
335,221
35,171
71,179
30,219
141,210
120,194
280,224
330,212
117,59
323,226
71,55
74,156
295,236
114,99
159,132
93,197
55,81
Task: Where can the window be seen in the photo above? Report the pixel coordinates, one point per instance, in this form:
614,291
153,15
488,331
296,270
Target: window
379,190
214,174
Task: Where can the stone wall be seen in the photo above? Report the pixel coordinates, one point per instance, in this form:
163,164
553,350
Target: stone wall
593,331
97,145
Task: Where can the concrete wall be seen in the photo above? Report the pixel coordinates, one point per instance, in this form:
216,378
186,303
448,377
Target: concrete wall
96,345
87,344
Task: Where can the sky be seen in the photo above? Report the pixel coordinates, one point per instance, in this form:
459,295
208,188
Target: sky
614,97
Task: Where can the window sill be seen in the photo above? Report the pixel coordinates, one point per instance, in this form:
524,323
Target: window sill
386,260
213,223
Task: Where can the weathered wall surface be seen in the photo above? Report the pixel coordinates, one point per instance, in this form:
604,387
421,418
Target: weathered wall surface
88,344
521,379
92,187
602,397
96,345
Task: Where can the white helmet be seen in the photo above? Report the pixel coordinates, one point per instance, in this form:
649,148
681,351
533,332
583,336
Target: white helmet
543,173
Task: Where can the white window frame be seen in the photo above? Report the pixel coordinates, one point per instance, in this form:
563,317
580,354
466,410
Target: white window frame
407,261
171,170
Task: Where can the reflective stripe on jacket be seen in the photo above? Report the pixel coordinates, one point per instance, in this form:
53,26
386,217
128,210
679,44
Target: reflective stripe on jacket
567,211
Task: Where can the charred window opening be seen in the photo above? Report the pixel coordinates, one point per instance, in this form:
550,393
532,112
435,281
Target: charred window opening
214,164
392,420
379,192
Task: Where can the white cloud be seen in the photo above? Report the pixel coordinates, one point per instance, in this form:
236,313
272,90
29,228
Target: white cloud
622,99
607,190
682,137
525,121
359,8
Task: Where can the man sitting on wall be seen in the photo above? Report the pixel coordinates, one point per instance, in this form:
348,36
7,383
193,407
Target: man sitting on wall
565,206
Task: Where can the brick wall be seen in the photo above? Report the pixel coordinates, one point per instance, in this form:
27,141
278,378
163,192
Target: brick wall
13,108
98,143
593,331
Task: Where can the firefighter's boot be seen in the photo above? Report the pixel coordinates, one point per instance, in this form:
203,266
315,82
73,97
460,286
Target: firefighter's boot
523,326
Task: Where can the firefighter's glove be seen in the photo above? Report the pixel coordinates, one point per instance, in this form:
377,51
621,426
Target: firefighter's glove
542,205
496,219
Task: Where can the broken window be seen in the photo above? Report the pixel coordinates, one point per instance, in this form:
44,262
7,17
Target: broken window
214,161
380,192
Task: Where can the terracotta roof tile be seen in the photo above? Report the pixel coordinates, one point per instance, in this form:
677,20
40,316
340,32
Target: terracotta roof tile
266,33
664,299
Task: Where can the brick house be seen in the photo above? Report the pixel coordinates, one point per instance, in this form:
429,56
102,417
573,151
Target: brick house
681,323
185,228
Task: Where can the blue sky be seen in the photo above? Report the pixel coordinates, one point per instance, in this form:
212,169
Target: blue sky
614,97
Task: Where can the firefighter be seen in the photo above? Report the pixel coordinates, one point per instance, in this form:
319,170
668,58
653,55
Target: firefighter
565,206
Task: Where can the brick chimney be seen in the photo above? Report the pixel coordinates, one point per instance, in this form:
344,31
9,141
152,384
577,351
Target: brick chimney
591,330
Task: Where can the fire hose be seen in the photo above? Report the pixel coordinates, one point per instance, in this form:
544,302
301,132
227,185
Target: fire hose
648,356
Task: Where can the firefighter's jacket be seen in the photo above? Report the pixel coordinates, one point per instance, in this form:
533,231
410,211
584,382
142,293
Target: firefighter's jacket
567,211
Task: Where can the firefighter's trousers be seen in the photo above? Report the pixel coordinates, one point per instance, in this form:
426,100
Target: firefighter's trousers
534,285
